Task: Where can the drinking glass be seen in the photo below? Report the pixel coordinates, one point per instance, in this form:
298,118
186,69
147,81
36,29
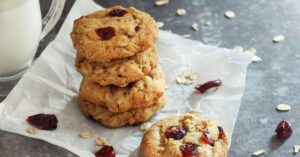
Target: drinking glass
21,29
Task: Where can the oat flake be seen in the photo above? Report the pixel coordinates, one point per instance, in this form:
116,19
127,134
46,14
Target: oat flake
187,82
160,24
278,38
259,152
180,12
238,48
100,141
187,72
252,50
208,23
283,107
296,149
187,77
161,2
193,76
180,80
85,134
195,26
32,131
229,14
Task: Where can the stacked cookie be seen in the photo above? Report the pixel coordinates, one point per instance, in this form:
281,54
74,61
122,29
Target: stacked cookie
122,81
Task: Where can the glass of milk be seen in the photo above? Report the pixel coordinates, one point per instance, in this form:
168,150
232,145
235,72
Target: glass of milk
21,29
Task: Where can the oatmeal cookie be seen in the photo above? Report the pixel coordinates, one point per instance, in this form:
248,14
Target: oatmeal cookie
114,120
120,99
184,136
114,33
118,72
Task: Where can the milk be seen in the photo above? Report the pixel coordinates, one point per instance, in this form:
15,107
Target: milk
20,29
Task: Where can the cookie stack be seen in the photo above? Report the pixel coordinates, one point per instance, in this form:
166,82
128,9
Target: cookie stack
122,81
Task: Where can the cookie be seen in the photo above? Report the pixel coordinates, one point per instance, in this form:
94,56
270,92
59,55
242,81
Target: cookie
118,72
184,136
114,33
114,120
120,99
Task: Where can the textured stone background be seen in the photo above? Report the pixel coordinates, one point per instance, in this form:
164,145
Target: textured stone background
274,80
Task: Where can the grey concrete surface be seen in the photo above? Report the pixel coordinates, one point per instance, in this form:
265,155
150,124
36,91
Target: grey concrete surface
274,80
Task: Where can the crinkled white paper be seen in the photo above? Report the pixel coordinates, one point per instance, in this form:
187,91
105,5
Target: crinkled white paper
51,86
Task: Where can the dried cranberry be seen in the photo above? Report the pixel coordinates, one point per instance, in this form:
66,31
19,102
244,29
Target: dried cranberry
106,33
206,139
189,150
221,132
117,12
137,28
43,121
284,129
206,86
177,132
106,151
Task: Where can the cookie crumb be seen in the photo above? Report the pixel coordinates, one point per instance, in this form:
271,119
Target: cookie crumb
195,27
283,107
229,14
145,126
180,12
258,152
296,149
160,24
100,141
161,2
85,134
238,49
278,38
32,131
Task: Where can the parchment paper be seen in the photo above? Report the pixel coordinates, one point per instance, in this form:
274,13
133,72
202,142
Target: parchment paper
51,86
